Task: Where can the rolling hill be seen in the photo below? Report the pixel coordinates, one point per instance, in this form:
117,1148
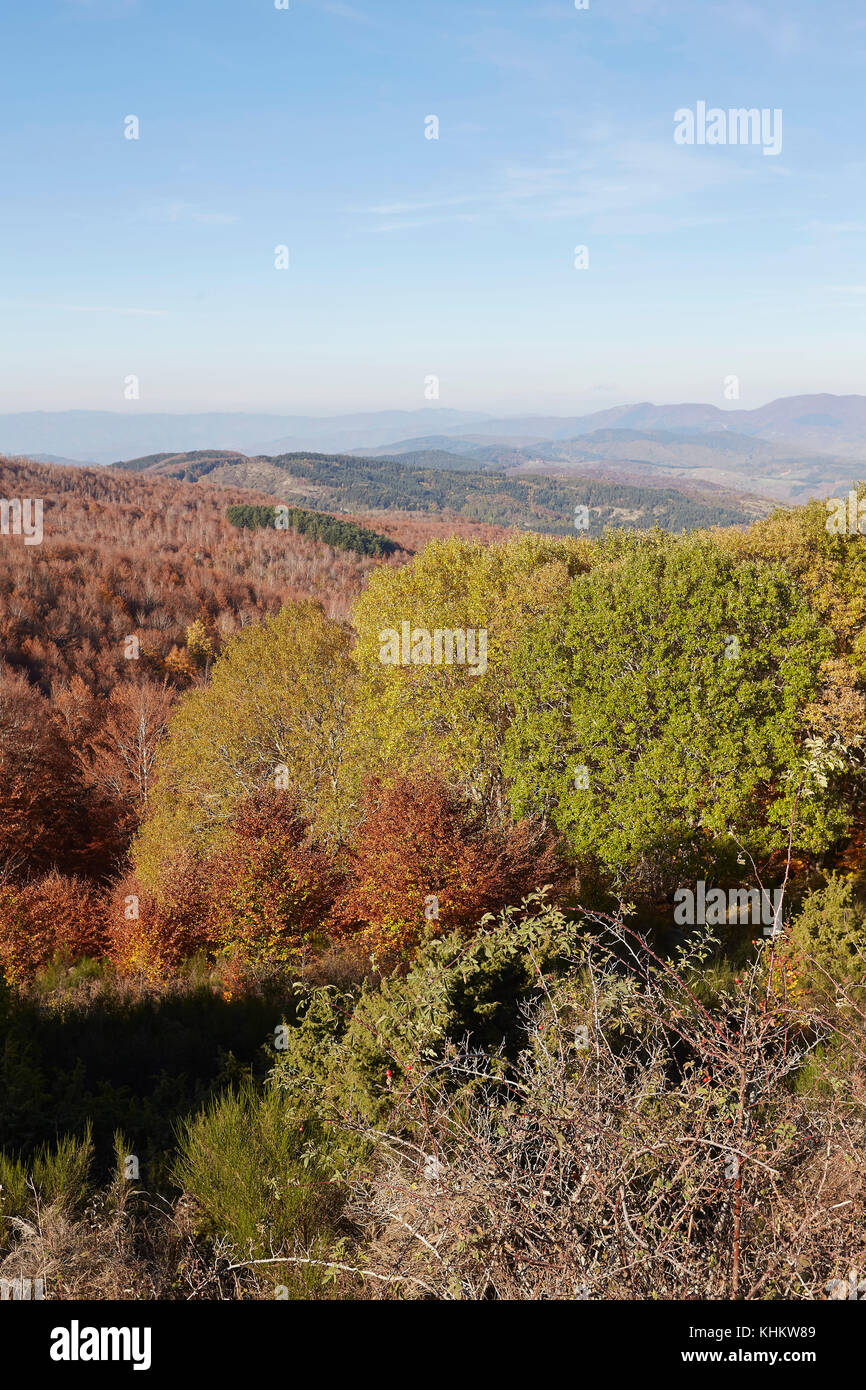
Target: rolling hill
340,483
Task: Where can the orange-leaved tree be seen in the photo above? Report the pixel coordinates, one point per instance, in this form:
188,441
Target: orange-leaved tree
153,930
423,861
272,885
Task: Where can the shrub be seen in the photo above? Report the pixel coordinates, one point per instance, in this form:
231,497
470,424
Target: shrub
153,930
616,1140
359,1053
241,1160
827,937
55,915
55,1177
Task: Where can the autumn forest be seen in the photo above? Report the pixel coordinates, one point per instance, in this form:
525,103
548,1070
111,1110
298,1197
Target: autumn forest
331,968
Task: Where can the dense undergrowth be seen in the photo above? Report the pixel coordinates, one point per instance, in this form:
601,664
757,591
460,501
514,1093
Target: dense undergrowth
547,1109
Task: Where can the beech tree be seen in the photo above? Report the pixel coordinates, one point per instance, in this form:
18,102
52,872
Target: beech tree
442,718
271,885
121,753
44,818
152,929
56,915
423,862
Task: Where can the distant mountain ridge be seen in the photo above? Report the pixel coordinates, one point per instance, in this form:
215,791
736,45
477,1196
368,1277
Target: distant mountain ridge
788,449
653,457
832,419
103,436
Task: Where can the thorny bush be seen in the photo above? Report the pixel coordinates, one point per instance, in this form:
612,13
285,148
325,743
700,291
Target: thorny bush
640,1144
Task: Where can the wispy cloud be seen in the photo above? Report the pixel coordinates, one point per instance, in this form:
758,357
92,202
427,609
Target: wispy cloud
111,309
105,7
180,211
340,11
89,309
611,185
345,12
426,221
837,228
428,205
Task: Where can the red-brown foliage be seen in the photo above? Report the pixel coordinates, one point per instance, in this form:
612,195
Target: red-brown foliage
272,886
129,556
261,898
55,915
44,811
118,752
153,932
422,861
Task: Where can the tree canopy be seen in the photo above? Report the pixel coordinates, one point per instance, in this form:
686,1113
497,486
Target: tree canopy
659,709
275,713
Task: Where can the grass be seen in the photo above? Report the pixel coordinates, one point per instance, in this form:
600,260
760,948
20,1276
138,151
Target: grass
55,1177
242,1161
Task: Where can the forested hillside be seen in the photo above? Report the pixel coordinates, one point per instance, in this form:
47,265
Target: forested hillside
135,589
346,482
411,919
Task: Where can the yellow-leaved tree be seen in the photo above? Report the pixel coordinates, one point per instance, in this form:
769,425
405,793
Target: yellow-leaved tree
274,714
447,718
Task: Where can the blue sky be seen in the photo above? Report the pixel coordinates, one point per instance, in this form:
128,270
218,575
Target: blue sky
411,257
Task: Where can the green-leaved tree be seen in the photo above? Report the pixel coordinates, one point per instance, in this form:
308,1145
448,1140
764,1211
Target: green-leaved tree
659,710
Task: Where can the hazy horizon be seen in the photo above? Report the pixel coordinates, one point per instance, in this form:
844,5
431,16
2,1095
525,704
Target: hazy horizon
338,411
